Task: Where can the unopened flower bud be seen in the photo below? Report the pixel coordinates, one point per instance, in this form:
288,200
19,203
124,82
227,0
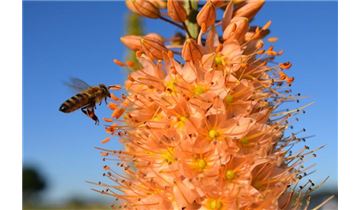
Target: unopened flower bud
207,15
145,8
191,51
176,10
132,42
153,47
250,8
237,29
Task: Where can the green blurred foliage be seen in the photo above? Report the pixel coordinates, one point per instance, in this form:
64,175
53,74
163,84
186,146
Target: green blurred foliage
33,184
134,27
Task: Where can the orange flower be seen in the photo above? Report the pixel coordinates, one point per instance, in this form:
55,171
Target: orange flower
201,128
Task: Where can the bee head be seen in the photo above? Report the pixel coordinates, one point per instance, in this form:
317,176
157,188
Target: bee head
105,90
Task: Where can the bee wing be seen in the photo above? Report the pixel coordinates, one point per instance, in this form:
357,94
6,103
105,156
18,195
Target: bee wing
77,84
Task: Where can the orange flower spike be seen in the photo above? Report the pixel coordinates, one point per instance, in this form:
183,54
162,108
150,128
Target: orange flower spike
207,15
285,65
176,10
145,8
191,51
117,113
250,9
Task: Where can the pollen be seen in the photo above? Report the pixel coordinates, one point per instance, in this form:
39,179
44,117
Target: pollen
200,164
213,133
157,117
199,89
219,60
215,204
244,141
170,85
229,99
168,155
181,122
229,175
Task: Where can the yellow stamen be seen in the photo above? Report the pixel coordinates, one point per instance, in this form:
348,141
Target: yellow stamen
200,164
244,141
168,155
199,89
170,85
157,117
181,122
215,204
230,174
213,133
219,60
229,99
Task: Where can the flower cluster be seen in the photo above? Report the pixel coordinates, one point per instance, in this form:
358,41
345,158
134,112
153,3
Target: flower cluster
199,122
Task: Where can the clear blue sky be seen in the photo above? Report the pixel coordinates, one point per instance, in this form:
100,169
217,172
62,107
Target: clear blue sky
65,39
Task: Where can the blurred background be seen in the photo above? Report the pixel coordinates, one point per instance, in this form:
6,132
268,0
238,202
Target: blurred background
80,39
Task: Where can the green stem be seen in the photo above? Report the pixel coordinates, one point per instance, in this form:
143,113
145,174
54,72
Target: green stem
191,7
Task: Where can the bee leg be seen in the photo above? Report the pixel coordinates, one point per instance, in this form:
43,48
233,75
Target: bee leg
89,111
105,100
84,110
92,115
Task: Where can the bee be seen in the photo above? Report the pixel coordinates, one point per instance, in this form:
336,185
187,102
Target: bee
86,99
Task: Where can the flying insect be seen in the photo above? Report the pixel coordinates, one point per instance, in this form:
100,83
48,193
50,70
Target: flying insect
86,98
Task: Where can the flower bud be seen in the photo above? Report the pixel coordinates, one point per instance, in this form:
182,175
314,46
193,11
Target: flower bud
250,8
155,37
237,29
191,51
132,42
176,10
206,15
228,13
153,47
145,8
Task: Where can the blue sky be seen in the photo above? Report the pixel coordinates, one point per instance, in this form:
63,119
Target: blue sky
66,39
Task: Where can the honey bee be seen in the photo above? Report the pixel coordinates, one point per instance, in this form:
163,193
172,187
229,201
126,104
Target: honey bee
86,99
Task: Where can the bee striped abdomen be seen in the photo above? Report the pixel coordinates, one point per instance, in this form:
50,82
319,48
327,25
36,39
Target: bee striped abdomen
74,103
